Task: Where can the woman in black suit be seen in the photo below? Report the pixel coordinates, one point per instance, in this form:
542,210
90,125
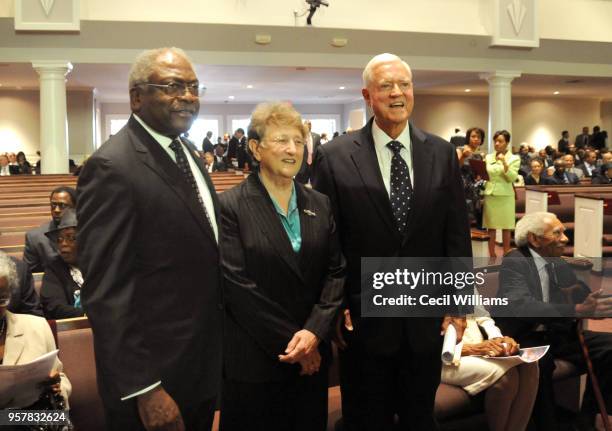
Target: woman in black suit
284,277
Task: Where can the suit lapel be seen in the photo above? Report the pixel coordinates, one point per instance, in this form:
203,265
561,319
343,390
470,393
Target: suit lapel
15,342
265,216
366,162
536,287
422,166
308,219
153,156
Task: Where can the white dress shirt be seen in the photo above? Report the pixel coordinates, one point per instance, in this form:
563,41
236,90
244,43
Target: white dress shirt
5,171
384,153
540,264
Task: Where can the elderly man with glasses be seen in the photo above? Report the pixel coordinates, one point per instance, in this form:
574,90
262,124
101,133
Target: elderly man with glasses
148,250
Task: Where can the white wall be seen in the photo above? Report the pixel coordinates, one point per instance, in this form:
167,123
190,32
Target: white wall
587,20
351,108
20,122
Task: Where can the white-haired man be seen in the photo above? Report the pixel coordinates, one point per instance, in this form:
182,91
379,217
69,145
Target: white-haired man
396,191
545,297
148,251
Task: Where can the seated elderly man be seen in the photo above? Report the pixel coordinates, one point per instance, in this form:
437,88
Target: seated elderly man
561,176
605,175
24,338
546,297
61,286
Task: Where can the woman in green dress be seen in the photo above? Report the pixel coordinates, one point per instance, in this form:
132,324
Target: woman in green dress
499,199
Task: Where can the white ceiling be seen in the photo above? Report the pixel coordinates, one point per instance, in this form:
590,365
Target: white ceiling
303,85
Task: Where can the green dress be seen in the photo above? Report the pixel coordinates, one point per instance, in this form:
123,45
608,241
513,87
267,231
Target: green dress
499,198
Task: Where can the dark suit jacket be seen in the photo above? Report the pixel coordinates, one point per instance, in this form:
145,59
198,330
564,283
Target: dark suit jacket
594,171
544,181
57,291
271,292
207,146
347,170
582,140
519,282
305,172
563,145
24,299
38,249
560,181
149,258
600,179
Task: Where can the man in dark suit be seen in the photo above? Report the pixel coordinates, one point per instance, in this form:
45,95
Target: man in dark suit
392,364
589,166
148,251
544,297
237,148
563,144
583,140
313,141
207,145
562,176
458,139
38,249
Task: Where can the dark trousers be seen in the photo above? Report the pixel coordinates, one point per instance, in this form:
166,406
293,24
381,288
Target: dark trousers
565,345
197,417
296,404
376,388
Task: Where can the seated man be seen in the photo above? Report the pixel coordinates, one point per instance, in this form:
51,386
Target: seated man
561,176
61,286
605,175
38,249
24,299
546,296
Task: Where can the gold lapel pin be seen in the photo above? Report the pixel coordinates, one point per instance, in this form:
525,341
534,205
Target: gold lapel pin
310,213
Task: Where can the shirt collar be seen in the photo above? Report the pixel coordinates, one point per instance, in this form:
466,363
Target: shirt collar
381,139
292,201
539,261
162,140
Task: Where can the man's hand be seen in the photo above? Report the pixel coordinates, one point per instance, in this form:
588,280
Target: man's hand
303,343
458,322
310,363
595,305
159,412
343,319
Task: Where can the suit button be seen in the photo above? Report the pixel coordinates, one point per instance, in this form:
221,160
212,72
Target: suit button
220,306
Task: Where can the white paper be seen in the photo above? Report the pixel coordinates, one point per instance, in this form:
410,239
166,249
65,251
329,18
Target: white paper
527,355
19,384
448,346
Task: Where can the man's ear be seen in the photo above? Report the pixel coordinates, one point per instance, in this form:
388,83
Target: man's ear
366,95
533,240
135,99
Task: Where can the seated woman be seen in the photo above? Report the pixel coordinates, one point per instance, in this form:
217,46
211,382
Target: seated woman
284,278
511,390
537,177
24,165
24,338
60,293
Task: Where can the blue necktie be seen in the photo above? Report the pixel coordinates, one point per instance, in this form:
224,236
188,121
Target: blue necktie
401,187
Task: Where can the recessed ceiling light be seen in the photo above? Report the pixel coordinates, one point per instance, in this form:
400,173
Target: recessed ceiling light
556,92
249,86
231,97
341,88
467,90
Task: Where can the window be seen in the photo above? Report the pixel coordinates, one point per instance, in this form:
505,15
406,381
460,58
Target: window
200,126
114,123
324,123
239,122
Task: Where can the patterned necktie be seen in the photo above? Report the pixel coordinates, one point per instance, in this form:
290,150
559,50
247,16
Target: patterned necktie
183,164
401,187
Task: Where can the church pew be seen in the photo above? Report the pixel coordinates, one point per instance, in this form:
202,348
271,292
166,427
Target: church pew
593,227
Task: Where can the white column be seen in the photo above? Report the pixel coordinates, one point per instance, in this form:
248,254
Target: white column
500,102
53,115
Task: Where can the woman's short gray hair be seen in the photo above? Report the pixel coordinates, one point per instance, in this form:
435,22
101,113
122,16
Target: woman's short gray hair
375,61
144,65
8,270
534,223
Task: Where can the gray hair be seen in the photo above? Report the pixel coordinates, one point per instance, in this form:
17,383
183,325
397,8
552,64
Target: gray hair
534,223
144,65
8,270
378,59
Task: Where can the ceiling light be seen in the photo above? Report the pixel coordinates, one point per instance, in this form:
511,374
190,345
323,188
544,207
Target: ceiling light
467,90
231,97
555,93
341,88
249,86
339,42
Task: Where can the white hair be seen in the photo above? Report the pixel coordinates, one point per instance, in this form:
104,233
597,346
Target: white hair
144,65
534,223
378,59
8,270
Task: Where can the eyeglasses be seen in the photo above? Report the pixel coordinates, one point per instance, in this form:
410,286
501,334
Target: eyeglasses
283,141
70,239
177,89
60,205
